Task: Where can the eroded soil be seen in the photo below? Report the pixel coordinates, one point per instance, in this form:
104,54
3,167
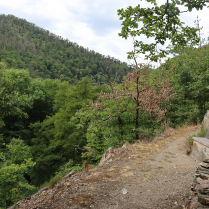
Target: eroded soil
157,175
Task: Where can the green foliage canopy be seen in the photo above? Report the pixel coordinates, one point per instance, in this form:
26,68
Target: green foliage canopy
56,138
160,23
37,99
14,165
23,45
190,78
9,98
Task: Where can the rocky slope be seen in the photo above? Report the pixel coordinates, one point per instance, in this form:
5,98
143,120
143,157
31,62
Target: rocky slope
143,175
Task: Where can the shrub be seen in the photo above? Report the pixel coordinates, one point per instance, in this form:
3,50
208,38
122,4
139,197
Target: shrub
68,167
54,181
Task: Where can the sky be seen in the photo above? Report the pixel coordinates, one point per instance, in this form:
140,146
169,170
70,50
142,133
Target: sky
93,24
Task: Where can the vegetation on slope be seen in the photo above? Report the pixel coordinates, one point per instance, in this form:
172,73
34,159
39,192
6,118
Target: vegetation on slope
23,45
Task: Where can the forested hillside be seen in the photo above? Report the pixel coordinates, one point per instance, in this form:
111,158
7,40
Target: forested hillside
49,127
46,55
190,79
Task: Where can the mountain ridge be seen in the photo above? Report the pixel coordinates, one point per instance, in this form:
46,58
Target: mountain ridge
46,55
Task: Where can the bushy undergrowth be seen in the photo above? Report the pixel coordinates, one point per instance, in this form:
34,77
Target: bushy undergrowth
68,167
63,170
54,180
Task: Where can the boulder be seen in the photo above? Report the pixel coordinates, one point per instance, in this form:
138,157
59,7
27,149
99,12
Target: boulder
205,122
106,156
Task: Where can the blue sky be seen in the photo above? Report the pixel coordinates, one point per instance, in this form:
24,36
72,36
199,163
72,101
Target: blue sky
90,23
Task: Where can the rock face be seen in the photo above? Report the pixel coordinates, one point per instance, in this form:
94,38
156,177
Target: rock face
201,147
110,154
199,197
205,122
106,156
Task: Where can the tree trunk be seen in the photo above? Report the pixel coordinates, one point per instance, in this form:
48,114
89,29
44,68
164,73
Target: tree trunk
137,108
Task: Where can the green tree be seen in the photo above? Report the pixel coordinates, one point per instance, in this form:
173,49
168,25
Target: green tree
57,140
9,98
14,166
126,112
109,121
47,55
37,101
190,81
160,23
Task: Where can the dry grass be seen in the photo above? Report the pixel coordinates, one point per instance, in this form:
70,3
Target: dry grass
127,174
143,150
168,132
159,166
145,169
80,200
96,178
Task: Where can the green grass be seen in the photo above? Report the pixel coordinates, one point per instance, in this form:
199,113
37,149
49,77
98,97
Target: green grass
54,180
189,140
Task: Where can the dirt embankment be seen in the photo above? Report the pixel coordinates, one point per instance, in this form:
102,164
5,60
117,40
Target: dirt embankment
157,175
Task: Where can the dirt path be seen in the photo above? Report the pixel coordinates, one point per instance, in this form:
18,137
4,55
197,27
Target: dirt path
160,179
140,176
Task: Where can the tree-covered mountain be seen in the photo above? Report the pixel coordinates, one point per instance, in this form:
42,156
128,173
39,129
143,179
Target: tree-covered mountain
46,55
